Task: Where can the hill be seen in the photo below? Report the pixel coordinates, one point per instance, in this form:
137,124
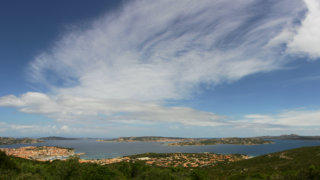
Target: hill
57,138
147,139
301,163
292,137
11,140
238,141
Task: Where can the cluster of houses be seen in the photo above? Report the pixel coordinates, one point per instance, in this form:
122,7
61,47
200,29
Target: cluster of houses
176,159
43,153
105,161
193,160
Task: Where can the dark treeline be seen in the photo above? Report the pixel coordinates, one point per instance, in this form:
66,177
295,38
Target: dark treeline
301,163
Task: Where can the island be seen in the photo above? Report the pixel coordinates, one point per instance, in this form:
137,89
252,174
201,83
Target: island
179,141
57,138
291,137
234,140
147,139
11,140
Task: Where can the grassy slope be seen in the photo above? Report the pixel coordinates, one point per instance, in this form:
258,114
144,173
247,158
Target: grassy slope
301,163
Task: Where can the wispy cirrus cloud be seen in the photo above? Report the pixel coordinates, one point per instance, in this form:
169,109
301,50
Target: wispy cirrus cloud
163,50
130,62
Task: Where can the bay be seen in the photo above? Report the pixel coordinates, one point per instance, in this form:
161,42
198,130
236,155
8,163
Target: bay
101,150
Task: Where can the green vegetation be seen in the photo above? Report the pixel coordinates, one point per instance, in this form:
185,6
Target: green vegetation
301,163
240,141
10,140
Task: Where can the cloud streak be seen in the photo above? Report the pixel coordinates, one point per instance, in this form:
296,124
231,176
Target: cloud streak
293,118
164,50
69,108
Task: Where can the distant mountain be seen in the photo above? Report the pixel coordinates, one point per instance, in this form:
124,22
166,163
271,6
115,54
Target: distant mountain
292,137
57,138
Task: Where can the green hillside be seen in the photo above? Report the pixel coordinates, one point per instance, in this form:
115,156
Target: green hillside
301,163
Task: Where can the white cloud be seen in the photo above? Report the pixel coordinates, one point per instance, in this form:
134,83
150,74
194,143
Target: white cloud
129,63
291,118
9,129
69,108
73,130
164,50
307,39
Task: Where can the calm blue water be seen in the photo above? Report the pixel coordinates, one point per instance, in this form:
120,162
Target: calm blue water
98,150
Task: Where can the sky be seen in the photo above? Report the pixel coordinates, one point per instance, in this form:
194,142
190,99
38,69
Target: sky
208,68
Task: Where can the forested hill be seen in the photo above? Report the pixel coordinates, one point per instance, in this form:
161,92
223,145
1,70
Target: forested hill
301,163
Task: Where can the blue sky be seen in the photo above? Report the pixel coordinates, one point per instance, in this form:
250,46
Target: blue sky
168,68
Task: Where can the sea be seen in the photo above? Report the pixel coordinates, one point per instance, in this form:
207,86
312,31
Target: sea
93,149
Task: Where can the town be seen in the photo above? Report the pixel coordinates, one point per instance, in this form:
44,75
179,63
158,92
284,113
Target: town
41,153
